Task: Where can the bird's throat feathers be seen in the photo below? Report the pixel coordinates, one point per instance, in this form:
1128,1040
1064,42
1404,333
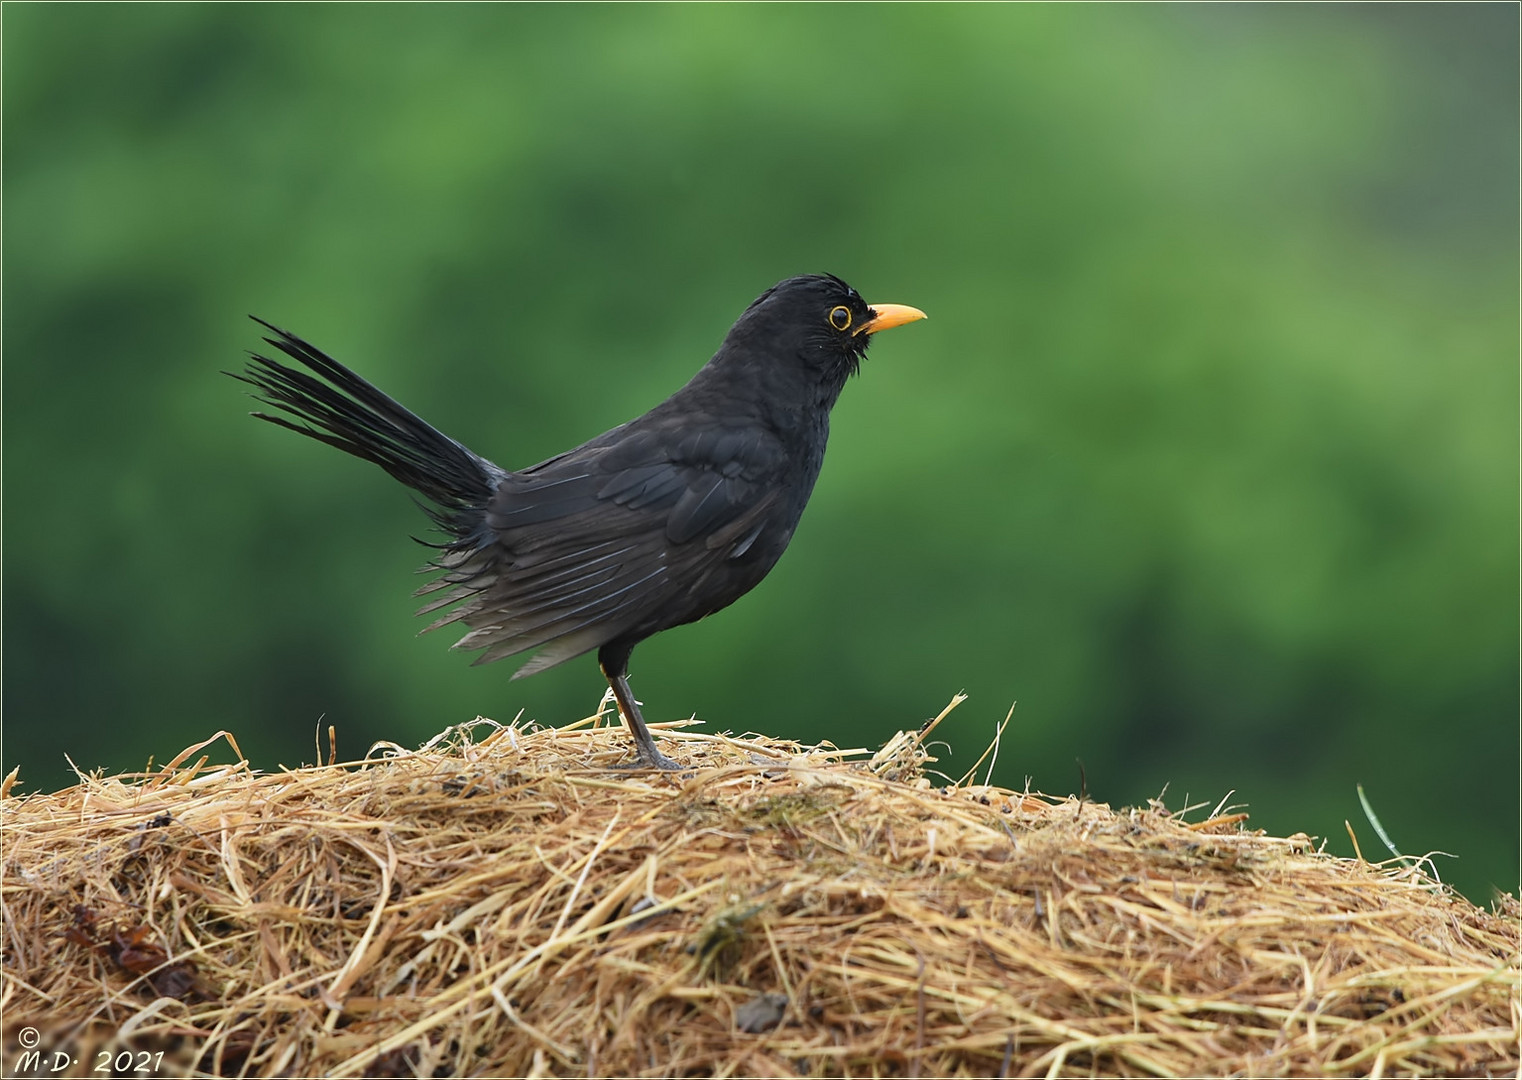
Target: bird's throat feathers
794,375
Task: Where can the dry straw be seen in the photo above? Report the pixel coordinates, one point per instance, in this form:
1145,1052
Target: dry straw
513,907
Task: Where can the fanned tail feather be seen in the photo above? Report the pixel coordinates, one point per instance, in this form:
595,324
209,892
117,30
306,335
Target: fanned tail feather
344,411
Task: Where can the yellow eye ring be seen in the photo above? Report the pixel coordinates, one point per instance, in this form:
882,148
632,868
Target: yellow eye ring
840,317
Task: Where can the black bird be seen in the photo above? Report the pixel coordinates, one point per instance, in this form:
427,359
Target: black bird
657,523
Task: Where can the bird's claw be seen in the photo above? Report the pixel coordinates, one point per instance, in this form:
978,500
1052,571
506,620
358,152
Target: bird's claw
658,760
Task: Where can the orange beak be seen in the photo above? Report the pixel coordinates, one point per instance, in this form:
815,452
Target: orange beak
885,316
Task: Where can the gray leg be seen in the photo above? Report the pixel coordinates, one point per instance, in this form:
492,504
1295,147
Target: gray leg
615,668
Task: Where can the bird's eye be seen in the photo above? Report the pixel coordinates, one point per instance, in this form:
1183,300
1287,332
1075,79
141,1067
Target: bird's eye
840,317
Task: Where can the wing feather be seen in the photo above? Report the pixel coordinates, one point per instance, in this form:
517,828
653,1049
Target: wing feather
613,538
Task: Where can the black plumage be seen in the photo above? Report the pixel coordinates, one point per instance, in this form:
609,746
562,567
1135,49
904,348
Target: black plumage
653,524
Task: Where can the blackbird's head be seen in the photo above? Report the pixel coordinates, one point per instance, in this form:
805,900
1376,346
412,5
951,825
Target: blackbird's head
820,320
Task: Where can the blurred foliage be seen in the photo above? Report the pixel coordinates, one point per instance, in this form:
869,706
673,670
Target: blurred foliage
1206,456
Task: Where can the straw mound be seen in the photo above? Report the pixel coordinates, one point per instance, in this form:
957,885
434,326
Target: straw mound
512,907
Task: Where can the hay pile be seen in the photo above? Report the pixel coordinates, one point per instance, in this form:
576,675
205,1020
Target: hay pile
510,906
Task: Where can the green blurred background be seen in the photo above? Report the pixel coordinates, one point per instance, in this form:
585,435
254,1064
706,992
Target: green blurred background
1207,455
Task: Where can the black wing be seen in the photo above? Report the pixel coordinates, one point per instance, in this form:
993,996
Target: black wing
616,537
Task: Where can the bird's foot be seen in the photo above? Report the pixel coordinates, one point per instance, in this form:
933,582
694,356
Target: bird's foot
655,760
